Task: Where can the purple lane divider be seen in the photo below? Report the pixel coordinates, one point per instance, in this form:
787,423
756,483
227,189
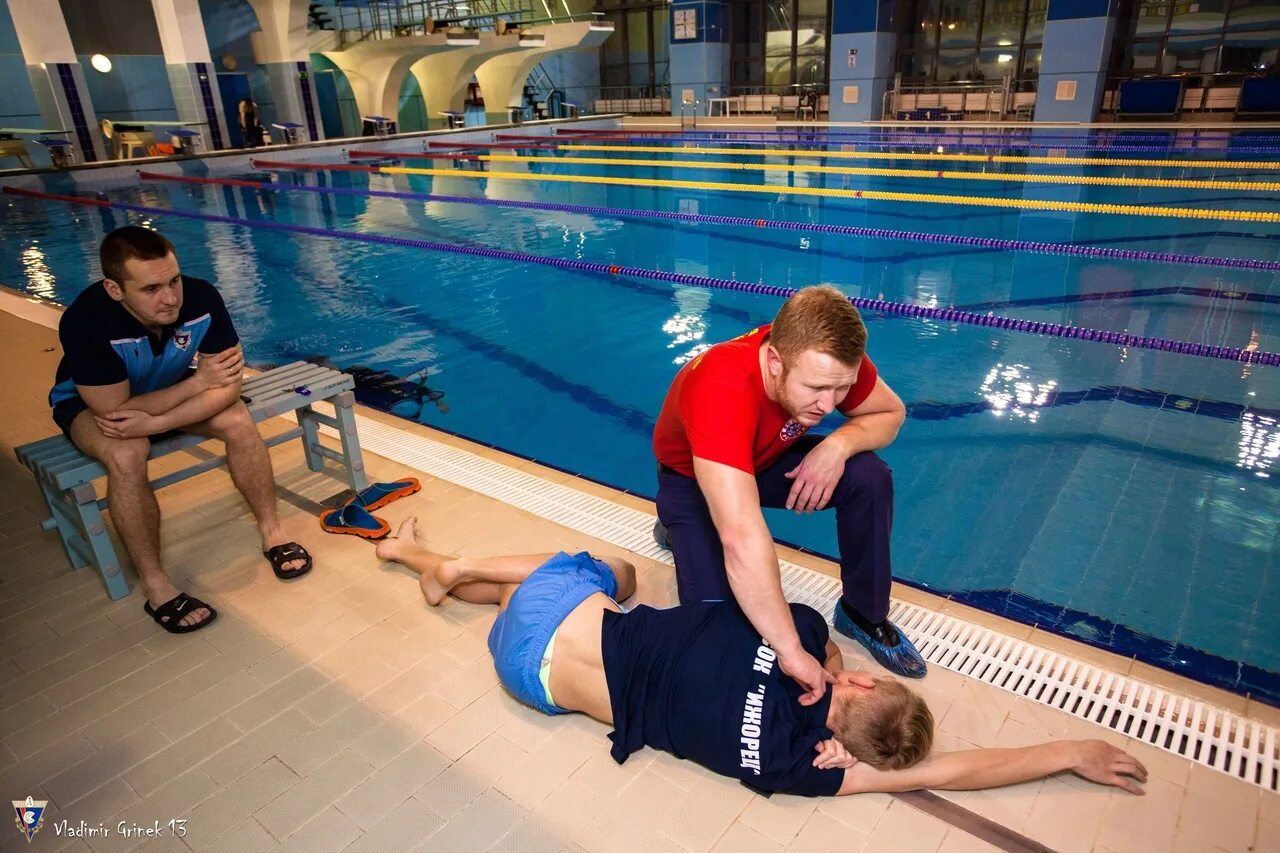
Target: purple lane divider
783,225
863,304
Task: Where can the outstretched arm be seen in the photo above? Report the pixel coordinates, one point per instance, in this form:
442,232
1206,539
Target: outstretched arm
990,768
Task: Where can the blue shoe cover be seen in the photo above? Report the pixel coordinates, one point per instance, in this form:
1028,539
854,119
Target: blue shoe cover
902,659
660,536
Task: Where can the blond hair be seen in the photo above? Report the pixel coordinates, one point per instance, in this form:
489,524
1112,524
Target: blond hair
889,728
821,319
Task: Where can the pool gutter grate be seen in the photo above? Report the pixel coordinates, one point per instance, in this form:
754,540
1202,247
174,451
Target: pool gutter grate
1188,728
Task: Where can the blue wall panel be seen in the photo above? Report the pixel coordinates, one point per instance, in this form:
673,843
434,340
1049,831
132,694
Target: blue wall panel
136,87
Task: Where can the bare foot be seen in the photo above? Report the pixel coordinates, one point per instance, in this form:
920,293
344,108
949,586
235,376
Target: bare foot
391,548
158,590
432,589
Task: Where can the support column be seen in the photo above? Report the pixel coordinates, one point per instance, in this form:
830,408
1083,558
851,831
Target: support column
56,76
190,67
699,33
1073,66
294,94
861,67
281,47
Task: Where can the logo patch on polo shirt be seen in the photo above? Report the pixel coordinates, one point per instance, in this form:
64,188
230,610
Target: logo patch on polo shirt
182,339
792,430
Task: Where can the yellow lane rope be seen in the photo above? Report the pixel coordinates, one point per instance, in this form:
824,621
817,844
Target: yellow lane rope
873,195
1020,177
956,157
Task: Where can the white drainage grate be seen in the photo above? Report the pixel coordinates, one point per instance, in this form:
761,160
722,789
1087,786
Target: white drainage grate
1185,727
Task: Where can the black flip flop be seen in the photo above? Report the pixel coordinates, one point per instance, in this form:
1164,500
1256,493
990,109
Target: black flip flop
287,553
170,614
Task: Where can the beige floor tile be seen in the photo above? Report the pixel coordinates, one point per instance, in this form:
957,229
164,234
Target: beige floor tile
184,717
1218,810
977,713
959,841
778,818
249,751
104,765
409,826
741,838
250,792
1010,807
1149,821
311,750
479,825
1267,836
247,836
861,812
559,817
469,683
327,832
451,791
329,782
904,827
151,775
704,814
477,721
176,800
628,820
372,799
1068,820
1269,806
821,832
557,758
602,774
31,739
103,804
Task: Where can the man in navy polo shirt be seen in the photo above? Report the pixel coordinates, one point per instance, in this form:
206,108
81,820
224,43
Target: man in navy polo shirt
129,345
700,682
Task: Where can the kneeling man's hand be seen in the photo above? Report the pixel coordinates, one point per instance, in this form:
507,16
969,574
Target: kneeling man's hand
127,423
816,477
810,675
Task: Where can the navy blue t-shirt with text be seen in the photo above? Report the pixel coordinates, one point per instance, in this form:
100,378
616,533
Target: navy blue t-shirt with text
699,682
102,343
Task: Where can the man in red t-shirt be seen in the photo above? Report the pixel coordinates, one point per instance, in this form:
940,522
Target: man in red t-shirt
731,439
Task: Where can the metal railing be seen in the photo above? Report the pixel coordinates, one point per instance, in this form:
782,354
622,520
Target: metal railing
956,101
636,100
376,20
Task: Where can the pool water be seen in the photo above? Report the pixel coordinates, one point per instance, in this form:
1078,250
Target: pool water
1127,497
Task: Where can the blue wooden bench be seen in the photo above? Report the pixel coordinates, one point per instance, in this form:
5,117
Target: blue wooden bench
65,475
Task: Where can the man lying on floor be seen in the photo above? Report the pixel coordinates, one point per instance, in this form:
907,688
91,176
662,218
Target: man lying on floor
698,682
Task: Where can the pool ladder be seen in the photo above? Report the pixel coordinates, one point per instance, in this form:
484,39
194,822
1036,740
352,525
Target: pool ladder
695,104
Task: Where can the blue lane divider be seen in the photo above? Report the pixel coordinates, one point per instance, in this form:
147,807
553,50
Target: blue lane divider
880,306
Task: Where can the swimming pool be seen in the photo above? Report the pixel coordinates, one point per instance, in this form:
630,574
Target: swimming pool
1125,496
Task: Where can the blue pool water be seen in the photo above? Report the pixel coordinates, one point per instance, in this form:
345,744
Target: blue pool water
1126,497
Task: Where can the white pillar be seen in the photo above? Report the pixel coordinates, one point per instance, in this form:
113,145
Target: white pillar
55,73
191,74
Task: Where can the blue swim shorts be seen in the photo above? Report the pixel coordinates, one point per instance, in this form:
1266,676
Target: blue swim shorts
522,631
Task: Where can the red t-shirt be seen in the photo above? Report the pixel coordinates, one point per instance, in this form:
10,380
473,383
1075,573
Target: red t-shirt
717,410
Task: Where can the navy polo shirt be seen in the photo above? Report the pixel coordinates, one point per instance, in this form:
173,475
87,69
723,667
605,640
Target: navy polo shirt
699,682
102,343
